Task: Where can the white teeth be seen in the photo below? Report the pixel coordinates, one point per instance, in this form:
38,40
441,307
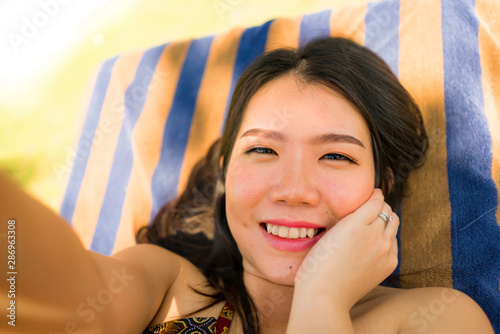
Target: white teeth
291,232
311,232
276,229
283,232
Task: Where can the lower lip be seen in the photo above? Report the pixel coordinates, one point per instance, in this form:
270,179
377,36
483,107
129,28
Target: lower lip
290,245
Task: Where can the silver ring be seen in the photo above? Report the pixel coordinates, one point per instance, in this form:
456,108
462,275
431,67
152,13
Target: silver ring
385,217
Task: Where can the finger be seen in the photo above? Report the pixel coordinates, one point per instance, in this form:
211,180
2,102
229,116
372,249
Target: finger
383,217
391,229
395,246
369,210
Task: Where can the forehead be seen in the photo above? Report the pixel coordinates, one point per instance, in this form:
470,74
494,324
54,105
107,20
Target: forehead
296,108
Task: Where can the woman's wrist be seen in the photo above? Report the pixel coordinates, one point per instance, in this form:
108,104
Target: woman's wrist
314,309
307,287
329,294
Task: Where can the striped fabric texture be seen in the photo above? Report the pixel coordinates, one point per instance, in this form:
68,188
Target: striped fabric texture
152,114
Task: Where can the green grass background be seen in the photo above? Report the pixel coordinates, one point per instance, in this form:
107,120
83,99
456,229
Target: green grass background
38,119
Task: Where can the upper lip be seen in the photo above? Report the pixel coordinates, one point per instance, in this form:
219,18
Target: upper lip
292,223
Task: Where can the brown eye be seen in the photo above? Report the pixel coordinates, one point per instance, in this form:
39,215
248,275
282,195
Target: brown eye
261,150
337,156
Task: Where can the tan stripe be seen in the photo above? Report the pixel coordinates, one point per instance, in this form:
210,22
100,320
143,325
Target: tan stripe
426,214
489,50
212,99
283,32
84,107
99,164
80,121
349,22
147,143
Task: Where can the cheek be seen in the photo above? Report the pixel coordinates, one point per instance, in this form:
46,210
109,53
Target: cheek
246,190
344,194
245,186
241,196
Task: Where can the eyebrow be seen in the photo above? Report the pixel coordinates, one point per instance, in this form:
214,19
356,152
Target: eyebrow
324,138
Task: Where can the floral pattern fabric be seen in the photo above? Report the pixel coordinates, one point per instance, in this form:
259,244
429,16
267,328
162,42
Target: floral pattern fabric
197,325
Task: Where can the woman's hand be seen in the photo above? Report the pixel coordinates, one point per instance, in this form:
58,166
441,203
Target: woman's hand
353,257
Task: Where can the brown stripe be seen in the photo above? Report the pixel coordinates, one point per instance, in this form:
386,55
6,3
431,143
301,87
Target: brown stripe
283,32
426,214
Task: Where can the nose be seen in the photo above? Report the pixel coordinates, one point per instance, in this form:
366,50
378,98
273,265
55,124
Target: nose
295,185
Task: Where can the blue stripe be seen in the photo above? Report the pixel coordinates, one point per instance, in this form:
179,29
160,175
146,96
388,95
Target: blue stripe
175,136
398,267
473,195
86,138
382,31
314,26
382,36
252,44
395,281
114,197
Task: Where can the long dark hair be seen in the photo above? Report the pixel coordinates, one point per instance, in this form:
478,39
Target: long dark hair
195,226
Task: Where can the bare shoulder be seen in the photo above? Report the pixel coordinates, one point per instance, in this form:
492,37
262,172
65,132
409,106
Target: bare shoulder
422,310
137,279
154,260
180,298
443,310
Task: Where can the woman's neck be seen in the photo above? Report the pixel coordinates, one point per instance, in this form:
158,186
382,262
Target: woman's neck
273,301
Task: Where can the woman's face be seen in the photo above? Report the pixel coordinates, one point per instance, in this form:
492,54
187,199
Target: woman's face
302,160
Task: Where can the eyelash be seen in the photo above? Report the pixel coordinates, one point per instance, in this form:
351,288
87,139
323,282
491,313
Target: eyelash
270,151
255,150
341,156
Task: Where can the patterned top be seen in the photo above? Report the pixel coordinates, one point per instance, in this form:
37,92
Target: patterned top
198,325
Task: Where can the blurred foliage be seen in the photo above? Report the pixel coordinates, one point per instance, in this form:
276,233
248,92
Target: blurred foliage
39,117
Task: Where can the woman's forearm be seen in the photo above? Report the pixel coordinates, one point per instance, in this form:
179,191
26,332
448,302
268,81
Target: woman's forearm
50,273
317,312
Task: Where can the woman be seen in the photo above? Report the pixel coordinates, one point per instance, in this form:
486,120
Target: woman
301,235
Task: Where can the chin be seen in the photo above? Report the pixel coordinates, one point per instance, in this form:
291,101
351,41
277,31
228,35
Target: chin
282,273
287,278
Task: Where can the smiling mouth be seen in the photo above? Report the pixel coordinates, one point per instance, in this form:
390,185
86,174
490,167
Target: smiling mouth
292,232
